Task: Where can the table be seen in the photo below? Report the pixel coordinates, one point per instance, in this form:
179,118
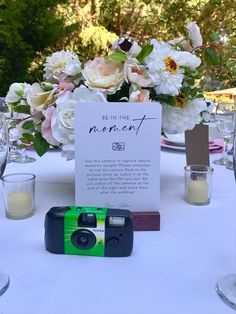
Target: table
170,271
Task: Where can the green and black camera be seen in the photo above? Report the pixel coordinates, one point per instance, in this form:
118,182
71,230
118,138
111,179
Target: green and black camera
89,231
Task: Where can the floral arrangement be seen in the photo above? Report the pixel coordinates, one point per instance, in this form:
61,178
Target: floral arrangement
159,72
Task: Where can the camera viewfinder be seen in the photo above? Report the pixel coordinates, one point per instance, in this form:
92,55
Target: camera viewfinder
87,220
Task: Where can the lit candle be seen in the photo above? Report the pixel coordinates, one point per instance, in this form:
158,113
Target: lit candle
19,204
197,191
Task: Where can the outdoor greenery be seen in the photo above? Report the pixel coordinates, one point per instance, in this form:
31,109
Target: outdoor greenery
32,29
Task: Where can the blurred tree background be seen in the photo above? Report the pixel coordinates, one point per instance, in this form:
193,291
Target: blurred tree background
31,30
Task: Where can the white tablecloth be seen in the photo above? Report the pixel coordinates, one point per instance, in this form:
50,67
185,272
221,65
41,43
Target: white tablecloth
171,271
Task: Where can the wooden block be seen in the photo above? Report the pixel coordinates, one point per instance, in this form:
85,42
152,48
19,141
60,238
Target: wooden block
146,221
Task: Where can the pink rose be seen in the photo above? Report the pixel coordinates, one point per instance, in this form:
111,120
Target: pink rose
46,129
66,84
139,96
194,34
137,74
185,44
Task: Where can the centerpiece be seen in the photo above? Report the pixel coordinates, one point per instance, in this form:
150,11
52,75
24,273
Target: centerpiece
158,72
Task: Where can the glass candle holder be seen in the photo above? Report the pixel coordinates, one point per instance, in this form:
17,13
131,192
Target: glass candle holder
19,195
198,184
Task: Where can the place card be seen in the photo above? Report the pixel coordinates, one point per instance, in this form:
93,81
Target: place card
117,155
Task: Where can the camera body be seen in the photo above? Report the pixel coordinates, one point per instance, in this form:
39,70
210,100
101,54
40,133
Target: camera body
89,231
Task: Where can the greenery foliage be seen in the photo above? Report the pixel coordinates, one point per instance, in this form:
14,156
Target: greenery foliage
30,30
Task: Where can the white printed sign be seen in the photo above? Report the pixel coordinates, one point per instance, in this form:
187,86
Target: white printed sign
117,155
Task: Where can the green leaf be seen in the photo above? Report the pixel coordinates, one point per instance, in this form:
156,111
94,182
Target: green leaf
169,100
146,50
22,109
214,37
46,86
27,138
211,56
28,125
117,56
19,93
41,146
120,95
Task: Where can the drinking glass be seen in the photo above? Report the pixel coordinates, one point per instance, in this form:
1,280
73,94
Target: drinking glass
224,119
226,286
4,279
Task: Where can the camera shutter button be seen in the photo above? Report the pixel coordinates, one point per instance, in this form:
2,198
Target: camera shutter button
112,243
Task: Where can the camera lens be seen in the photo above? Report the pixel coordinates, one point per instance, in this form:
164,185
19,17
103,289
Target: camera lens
83,239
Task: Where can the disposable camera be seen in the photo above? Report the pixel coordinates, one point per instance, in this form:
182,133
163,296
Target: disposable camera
89,231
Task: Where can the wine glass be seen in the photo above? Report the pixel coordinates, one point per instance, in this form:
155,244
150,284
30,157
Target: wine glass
16,154
224,119
4,278
226,286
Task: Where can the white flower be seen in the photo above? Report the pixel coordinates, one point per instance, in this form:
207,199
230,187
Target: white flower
194,34
128,45
16,92
62,122
83,94
185,58
68,151
38,99
139,96
206,115
178,120
183,42
63,118
164,67
136,74
103,74
61,62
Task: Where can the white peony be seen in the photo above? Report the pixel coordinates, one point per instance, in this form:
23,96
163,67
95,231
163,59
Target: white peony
103,74
206,115
178,120
164,68
185,58
61,62
127,45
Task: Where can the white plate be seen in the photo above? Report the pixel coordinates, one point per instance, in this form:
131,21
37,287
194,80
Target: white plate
177,139
182,148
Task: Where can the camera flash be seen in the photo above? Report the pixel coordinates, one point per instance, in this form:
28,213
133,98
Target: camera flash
116,221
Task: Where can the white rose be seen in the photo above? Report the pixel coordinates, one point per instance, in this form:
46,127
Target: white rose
16,92
103,74
62,122
68,151
38,99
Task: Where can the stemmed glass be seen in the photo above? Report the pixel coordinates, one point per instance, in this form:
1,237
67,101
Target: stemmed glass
15,153
226,286
4,147
224,119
